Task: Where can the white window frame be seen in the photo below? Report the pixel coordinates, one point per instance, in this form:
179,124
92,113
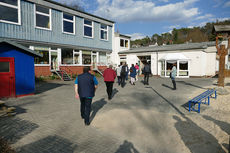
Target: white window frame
15,7
91,26
107,27
72,21
44,14
77,53
123,43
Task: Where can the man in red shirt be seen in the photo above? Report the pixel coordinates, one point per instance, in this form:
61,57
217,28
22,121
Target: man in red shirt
109,76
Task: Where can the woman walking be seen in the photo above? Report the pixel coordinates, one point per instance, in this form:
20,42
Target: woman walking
133,74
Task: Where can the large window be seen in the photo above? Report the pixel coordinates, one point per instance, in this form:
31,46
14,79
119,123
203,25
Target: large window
183,65
42,17
88,28
68,23
44,59
102,58
86,57
10,11
67,56
104,32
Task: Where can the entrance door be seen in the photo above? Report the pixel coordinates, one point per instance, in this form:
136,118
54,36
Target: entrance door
54,60
7,77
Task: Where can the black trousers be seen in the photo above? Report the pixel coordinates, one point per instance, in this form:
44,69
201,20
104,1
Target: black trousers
119,80
123,80
174,84
146,78
85,108
109,89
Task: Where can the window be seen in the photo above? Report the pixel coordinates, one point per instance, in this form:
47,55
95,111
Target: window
10,11
67,56
126,43
68,23
183,68
86,57
4,66
88,28
44,59
122,43
76,57
42,17
102,58
104,32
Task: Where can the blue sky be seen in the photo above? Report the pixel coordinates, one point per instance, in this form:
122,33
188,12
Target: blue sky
140,18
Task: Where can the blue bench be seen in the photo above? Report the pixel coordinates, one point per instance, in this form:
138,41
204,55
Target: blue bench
203,98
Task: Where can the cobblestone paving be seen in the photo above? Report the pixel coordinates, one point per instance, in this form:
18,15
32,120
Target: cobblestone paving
50,120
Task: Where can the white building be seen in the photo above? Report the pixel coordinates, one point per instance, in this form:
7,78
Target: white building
120,43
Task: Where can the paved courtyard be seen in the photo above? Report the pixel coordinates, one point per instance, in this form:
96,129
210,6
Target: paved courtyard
139,119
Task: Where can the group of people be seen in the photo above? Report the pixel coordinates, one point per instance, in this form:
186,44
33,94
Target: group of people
86,83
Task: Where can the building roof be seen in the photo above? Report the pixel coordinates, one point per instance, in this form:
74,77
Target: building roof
61,7
175,47
3,41
117,34
222,28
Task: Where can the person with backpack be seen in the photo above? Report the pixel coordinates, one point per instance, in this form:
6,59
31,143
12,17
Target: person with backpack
147,72
109,77
123,74
132,74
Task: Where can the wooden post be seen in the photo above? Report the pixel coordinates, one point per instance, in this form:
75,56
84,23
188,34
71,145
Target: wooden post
222,52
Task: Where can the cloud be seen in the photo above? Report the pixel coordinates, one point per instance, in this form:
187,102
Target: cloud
227,4
164,1
144,10
206,16
80,3
135,36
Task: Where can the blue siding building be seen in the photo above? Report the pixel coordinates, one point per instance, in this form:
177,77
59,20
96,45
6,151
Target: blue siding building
65,36
21,61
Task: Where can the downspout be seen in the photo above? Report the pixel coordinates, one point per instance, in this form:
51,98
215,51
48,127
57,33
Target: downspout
157,63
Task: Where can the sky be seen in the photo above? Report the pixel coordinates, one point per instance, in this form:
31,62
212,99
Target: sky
141,18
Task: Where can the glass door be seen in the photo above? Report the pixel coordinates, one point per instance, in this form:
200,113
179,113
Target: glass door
54,60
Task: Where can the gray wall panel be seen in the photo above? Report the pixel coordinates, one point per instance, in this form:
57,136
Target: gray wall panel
27,30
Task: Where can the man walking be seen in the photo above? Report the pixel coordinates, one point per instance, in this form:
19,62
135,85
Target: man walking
173,75
137,71
85,87
109,76
123,74
147,72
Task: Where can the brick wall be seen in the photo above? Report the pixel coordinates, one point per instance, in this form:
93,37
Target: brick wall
42,71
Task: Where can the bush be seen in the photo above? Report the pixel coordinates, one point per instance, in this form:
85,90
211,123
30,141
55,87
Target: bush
39,79
74,76
5,147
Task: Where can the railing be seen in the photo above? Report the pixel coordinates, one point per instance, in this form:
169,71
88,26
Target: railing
67,70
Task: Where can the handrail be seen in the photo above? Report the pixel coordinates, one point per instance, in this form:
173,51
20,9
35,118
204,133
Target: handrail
64,69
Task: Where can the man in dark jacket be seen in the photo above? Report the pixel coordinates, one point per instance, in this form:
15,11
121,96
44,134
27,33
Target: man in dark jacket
124,70
109,76
147,72
85,87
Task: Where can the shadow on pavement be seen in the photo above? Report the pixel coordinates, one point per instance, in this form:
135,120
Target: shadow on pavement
96,106
13,129
52,144
190,84
194,137
43,87
115,91
127,147
164,85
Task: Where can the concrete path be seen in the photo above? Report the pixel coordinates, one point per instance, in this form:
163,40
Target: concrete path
139,119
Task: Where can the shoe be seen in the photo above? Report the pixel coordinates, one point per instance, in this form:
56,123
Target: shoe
87,123
82,117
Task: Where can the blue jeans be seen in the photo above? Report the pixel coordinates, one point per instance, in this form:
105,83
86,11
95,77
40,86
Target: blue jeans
85,108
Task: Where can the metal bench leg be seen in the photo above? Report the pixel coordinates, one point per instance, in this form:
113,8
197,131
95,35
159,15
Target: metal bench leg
198,107
189,103
208,99
215,94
